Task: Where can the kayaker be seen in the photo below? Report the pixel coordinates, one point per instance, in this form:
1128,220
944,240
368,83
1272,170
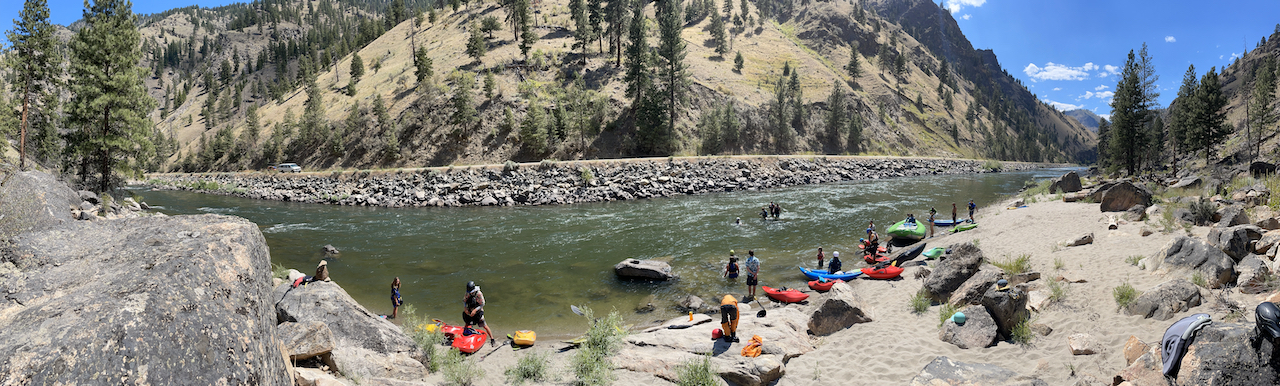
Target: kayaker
473,309
729,318
933,213
731,270
911,218
972,207
753,273
820,256
396,300
835,263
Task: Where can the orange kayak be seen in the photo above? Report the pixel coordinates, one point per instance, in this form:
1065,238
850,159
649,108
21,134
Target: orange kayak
887,272
463,342
785,295
817,285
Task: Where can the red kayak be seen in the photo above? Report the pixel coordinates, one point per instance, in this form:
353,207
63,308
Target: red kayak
887,272
875,259
461,340
785,295
880,249
818,285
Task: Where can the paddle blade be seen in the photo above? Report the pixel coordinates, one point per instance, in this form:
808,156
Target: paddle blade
576,310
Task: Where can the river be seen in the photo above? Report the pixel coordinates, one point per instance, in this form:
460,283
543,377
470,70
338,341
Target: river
534,262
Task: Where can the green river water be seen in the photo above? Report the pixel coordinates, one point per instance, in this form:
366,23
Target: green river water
533,262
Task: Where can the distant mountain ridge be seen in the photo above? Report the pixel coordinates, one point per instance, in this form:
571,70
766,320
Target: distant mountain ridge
1085,117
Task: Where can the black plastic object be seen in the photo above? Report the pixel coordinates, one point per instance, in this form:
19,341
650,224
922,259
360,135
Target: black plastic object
1268,320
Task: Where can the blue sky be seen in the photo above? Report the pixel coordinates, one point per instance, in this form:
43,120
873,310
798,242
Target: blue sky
1067,52
65,12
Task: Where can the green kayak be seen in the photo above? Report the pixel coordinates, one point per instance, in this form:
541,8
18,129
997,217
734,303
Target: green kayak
934,253
964,227
903,230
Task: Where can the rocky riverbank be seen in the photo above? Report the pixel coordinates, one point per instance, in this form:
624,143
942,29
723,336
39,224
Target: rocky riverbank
550,183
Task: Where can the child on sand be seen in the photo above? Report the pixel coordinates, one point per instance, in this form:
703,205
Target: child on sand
396,300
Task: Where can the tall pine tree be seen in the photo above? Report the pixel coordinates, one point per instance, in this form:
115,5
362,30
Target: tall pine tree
637,77
1181,114
673,74
36,63
1208,120
1131,110
109,103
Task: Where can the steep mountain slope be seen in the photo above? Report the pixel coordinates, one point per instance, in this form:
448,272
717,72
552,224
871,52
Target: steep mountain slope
1238,82
1085,117
950,100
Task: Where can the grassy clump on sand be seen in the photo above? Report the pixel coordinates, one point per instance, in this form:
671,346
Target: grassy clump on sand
531,367
1021,264
1198,279
425,333
604,338
1042,187
920,301
459,370
279,271
1057,291
1133,260
1124,295
945,312
697,372
1021,333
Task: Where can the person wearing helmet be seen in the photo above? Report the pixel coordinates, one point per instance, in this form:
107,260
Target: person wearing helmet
731,269
1268,320
473,309
835,263
729,318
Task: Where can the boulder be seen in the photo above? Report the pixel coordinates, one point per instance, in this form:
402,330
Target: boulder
1068,183
305,340
978,330
1188,253
1098,191
691,304
1134,348
1184,215
971,291
1007,307
1268,223
155,300
90,197
837,310
1186,183
1146,231
643,269
1146,370
1165,300
951,273
1252,275
945,371
34,201
1082,240
1083,344
1025,277
315,377
1231,215
747,371
1041,329
919,272
329,250
1230,354
1135,214
364,343
1124,195
1233,241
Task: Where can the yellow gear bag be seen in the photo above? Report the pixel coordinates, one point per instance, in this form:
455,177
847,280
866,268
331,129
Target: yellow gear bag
524,337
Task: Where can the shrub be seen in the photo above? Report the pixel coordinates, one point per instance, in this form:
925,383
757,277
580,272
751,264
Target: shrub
1202,211
920,301
531,367
1198,279
1021,264
1057,291
1021,333
945,312
1124,295
1058,264
697,372
279,271
547,164
587,176
992,165
425,333
510,166
604,338
1133,260
460,371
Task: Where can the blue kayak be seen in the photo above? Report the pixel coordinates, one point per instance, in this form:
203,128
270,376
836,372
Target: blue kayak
815,274
946,223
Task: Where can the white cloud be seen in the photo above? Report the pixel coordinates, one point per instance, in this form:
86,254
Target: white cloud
1054,71
1099,95
1101,87
1233,56
966,16
1063,106
1108,70
1057,89
955,5
1170,39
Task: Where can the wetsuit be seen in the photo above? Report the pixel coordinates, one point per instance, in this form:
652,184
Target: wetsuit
834,266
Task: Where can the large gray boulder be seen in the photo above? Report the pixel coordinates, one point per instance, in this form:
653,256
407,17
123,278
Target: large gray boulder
1008,308
1231,215
31,201
1165,300
156,300
305,340
1230,354
1068,183
837,310
364,343
978,331
1124,195
971,291
1252,275
1186,183
945,371
950,274
1234,241
643,269
1188,253
1268,240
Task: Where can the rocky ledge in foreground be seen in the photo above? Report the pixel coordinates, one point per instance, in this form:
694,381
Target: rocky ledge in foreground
563,182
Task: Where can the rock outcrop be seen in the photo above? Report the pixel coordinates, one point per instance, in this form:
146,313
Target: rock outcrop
1230,354
971,291
1083,344
31,201
156,300
1230,216
1068,183
837,310
1124,195
1008,308
1187,253
1165,300
945,371
951,273
1082,240
1234,240
305,340
1253,275
643,269
978,330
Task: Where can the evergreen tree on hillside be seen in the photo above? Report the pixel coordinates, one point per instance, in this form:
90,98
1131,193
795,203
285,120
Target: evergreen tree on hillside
1181,113
582,32
1261,113
673,74
422,65
357,66
637,76
108,109
854,143
1131,110
1208,119
476,45
618,13
1104,138
795,95
36,60
524,19
784,135
737,62
313,123
397,14
854,67
837,115
464,111
718,34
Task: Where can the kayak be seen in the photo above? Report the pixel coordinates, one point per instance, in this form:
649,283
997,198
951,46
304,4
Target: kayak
902,230
463,342
948,223
879,248
965,227
886,272
814,274
874,259
820,285
785,295
935,252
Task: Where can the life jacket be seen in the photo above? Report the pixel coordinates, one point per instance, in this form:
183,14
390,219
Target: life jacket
753,347
472,301
834,266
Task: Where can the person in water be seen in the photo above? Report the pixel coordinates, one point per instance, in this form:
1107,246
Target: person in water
396,300
731,270
764,213
820,257
737,221
729,318
932,214
753,273
473,309
835,265
777,210
972,207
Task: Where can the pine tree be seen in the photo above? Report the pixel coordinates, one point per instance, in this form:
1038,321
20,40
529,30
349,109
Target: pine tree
490,84
313,120
109,103
854,67
637,77
718,33
1181,111
398,13
854,144
422,65
464,111
524,18
36,64
1131,110
1209,126
582,33
795,95
357,66
618,13
1104,138
783,134
387,126
1261,114
476,45
836,115
490,24
533,135
737,62
671,52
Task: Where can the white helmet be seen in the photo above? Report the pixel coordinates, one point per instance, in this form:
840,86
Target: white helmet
836,253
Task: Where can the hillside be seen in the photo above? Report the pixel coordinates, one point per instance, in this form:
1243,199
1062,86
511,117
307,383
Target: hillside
990,114
1086,118
1238,82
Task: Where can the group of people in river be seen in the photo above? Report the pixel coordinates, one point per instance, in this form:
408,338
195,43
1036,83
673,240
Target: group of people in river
773,210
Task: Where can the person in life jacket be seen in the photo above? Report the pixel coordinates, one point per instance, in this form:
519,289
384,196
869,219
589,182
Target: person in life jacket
731,270
835,264
729,318
473,309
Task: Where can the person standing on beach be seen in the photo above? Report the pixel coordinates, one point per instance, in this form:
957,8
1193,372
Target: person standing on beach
972,207
953,214
396,300
473,309
753,273
835,263
932,213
